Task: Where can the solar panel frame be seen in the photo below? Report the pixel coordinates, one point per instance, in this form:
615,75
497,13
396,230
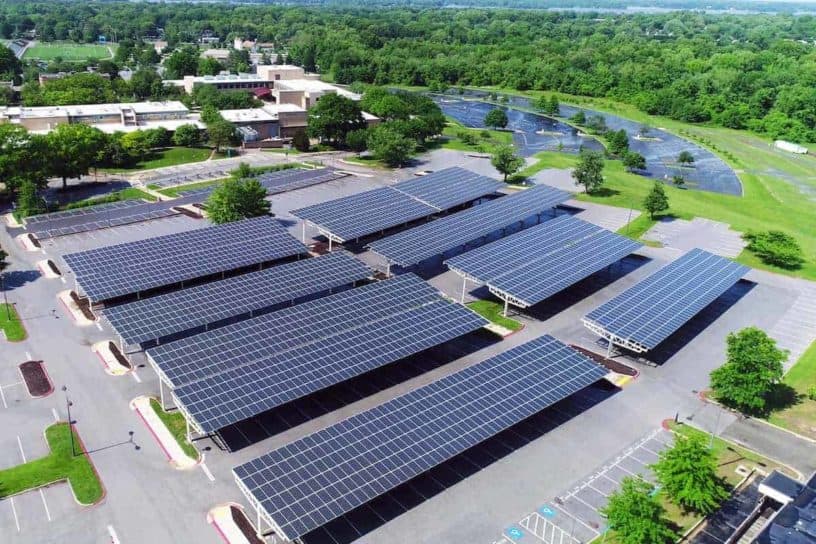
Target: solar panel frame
311,481
449,188
234,346
653,309
124,269
420,243
178,311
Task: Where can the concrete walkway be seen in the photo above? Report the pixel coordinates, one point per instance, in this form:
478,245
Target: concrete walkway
178,459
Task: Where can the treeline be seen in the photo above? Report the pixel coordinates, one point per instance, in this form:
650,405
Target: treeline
751,71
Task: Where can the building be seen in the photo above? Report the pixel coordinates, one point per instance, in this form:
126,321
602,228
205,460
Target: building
795,520
220,55
106,117
790,147
227,82
269,122
306,92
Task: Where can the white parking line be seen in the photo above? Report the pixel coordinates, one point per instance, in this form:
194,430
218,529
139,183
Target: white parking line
20,445
14,511
28,355
98,325
113,535
55,414
62,279
45,505
3,398
207,472
136,377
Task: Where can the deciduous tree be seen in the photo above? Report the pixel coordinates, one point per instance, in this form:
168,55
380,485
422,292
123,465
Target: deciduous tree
588,173
333,117
390,146
496,118
636,516
237,199
506,161
73,149
656,201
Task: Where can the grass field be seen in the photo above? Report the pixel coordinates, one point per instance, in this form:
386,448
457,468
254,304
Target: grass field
10,323
486,140
68,51
800,417
492,311
175,423
170,156
57,466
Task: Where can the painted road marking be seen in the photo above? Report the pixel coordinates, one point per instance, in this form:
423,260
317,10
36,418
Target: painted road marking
3,398
546,511
45,505
98,325
55,414
28,355
62,279
20,445
136,377
113,535
514,532
14,511
207,472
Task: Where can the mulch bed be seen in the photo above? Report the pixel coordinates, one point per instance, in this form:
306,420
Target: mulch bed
34,240
118,354
84,306
36,379
188,212
611,364
54,268
243,523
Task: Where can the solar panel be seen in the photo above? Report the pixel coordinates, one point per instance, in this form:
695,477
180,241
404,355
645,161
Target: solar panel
450,187
311,481
538,262
240,344
372,211
415,245
239,394
172,313
292,179
123,269
652,310
32,220
93,222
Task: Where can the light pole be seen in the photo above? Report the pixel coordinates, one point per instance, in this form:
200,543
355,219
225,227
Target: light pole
5,295
68,405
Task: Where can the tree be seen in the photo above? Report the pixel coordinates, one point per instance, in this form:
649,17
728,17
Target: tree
388,145
548,104
209,66
618,142
496,118
596,124
357,140
28,201
688,473
589,170
237,199
506,161
72,149
3,262
300,141
776,248
752,369
221,133
333,117
678,180
685,157
187,136
656,201
633,160
636,515
183,62
22,158
244,171
579,118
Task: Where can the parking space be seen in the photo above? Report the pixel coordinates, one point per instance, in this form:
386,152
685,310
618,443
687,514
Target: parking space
712,236
574,517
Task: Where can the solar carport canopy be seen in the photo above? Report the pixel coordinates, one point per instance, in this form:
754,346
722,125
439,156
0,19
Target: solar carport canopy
282,181
649,312
365,213
187,309
538,262
305,484
133,267
415,245
283,360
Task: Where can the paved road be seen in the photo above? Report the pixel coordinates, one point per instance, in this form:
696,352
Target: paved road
774,443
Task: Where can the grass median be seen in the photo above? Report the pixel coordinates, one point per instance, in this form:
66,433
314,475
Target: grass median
492,311
175,423
59,465
10,323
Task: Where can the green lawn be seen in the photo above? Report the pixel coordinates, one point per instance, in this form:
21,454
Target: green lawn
486,140
170,156
492,311
175,423
10,323
131,193
68,51
57,466
801,416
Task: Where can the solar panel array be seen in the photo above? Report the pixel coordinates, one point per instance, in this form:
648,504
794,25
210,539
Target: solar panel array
448,188
89,226
184,310
282,181
372,211
123,269
210,353
341,351
415,245
538,262
659,305
33,220
311,481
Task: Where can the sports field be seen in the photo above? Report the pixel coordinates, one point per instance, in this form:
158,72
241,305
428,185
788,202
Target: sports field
68,51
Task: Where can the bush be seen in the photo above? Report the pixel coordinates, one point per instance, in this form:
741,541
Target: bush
776,248
811,393
300,141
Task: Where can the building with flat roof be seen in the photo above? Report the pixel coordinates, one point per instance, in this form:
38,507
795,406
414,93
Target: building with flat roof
269,122
109,118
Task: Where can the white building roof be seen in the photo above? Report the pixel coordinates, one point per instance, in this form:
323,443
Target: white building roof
314,86
140,108
249,115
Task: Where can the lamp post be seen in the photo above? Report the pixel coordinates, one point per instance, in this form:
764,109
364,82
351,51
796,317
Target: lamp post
68,405
5,295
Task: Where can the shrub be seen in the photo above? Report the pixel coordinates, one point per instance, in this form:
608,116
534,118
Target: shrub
776,248
811,393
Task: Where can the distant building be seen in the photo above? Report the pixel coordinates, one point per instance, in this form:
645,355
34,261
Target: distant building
109,118
230,82
217,54
790,147
269,122
240,43
307,92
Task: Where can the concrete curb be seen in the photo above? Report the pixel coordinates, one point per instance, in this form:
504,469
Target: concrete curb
112,366
73,310
167,442
227,529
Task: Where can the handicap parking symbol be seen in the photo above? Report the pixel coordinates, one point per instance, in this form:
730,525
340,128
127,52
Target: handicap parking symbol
514,533
546,511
